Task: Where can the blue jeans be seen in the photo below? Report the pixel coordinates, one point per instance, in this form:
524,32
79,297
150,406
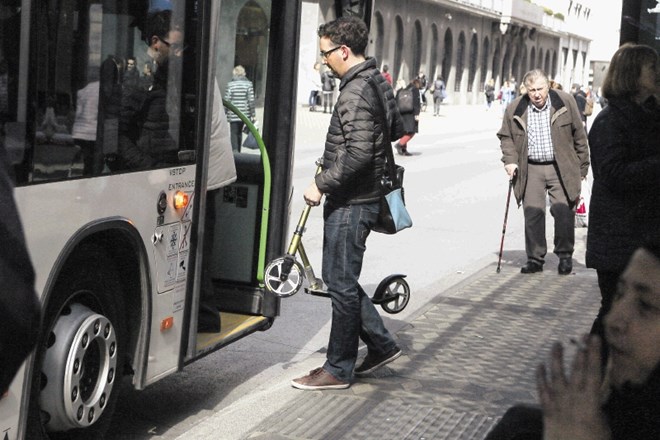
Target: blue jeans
354,316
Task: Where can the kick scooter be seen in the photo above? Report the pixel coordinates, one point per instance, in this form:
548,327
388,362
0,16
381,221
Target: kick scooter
284,275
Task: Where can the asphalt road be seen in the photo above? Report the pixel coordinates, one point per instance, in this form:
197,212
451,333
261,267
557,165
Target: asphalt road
456,192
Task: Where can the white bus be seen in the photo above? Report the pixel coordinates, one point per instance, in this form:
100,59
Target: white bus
117,246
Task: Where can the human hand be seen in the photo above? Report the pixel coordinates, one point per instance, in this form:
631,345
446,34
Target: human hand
511,169
312,195
572,404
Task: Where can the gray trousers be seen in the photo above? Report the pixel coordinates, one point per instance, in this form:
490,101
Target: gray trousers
542,179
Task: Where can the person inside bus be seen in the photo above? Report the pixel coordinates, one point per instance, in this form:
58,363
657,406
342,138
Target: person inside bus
221,172
623,403
148,117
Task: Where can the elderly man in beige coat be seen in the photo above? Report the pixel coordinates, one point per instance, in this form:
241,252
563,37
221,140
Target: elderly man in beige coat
545,150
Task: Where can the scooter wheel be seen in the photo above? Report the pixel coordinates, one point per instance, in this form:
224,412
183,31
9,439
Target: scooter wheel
396,295
287,287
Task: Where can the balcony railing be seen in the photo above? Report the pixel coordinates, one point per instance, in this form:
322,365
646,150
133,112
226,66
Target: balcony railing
489,5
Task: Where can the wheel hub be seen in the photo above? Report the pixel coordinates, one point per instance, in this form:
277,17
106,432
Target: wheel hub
79,369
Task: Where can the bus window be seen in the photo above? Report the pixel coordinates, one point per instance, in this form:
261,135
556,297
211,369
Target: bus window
245,31
11,126
95,110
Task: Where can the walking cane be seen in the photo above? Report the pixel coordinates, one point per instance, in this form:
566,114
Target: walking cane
506,216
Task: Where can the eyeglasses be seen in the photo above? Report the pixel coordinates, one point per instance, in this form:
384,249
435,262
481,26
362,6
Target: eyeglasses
176,47
325,53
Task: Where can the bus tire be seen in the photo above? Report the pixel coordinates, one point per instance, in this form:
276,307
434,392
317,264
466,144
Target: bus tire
80,357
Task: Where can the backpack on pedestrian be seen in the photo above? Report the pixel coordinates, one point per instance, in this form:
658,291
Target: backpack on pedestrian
589,106
404,100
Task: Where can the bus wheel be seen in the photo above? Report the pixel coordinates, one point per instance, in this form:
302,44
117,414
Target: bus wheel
80,359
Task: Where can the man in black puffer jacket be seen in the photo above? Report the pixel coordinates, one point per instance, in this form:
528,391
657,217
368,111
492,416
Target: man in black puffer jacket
145,125
353,164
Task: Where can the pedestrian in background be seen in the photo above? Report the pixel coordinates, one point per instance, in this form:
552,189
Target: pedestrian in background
328,89
581,100
147,79
514,88
409,115
625,157
423,85
544,146
315,93
386,74
555,85
439,94
489,91
353,165
505,95
85,126
240,92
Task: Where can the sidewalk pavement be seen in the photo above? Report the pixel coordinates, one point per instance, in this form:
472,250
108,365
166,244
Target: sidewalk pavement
468,355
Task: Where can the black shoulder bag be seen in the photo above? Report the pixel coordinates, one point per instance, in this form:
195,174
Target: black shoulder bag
393,215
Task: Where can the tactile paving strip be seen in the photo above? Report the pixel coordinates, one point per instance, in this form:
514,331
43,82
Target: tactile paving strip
466,359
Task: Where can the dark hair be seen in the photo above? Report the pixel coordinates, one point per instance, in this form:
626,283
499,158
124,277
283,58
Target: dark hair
347,31
158,24
622,78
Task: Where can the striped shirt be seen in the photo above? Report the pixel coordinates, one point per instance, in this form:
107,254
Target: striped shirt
240,93
539,138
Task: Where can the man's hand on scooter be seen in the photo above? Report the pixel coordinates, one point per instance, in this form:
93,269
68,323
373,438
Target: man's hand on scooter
312,195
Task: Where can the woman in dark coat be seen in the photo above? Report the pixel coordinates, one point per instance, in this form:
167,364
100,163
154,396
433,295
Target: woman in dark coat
410,117
625,156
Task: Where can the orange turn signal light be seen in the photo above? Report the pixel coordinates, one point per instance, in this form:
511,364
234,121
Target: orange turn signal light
181,200
166,323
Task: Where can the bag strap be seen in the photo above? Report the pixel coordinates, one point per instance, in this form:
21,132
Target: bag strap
389,154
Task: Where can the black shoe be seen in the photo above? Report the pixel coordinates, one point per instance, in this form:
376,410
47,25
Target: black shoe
406,153
373,362
565,266
398,148
531,267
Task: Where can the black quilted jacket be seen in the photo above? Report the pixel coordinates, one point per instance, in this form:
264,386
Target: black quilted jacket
624,211
145,126
354,156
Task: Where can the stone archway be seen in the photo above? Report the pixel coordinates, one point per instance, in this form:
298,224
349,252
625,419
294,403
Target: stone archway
447,55
398,47
380,38
433,64
416,49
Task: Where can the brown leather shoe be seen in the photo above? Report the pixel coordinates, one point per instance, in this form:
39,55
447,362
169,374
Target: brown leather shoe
319,379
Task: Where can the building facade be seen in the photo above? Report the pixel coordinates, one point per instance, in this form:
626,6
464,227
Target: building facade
466,42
